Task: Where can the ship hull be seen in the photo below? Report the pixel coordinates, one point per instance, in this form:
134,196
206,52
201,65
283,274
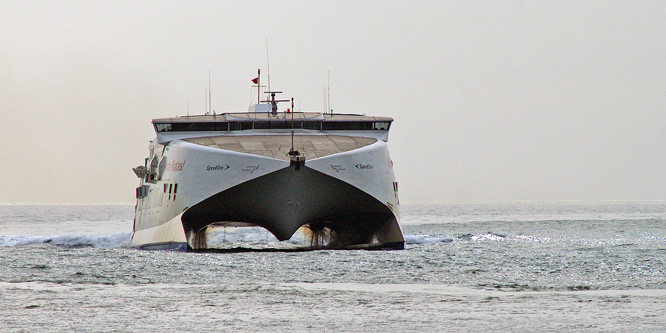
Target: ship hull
346,200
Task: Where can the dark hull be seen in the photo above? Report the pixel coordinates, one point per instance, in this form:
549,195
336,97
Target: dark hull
296,196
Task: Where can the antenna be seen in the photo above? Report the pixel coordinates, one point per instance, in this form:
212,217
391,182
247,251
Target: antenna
268,66
329,107
258,82
295,157
209,100
292,127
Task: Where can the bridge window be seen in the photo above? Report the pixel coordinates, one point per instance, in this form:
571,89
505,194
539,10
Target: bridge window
163,127
346,125
274,124
312,125
382,125
193,127
240,125
281,124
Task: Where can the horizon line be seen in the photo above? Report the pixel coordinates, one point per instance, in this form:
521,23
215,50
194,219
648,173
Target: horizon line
444,202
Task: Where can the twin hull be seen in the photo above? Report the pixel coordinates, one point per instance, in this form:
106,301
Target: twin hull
351,195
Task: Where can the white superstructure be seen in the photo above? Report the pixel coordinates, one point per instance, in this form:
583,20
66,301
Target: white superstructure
330,173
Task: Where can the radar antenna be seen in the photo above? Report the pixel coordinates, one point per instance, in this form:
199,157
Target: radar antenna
274,101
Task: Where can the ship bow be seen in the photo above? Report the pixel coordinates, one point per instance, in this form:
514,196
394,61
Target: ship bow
296,196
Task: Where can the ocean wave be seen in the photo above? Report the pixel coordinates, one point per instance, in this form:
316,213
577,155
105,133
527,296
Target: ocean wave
106,241
488,237
426,239
240,235
482,237
236,235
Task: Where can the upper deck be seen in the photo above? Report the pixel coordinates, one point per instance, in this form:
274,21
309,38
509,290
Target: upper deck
249,123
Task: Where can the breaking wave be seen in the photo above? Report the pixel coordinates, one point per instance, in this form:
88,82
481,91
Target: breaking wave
254,235
105,241
426,239
237,236
246,234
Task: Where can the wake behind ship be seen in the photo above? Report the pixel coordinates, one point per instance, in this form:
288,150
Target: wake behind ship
279,170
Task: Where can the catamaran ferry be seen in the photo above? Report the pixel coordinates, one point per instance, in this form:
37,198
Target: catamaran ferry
330,174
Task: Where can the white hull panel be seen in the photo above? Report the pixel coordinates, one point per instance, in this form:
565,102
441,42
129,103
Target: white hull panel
168,233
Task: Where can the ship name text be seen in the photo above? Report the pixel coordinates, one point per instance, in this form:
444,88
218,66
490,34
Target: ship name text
175,166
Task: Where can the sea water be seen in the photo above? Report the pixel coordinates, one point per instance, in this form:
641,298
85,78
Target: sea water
469,267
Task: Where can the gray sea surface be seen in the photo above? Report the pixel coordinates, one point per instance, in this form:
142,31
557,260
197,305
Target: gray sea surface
466,267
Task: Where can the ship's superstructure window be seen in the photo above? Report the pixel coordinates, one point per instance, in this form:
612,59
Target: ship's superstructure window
346,125
193,127
141,191
381,125
312,125
163,127
273,124
281,124
240,125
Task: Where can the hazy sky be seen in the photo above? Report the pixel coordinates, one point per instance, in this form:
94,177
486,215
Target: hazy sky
492,100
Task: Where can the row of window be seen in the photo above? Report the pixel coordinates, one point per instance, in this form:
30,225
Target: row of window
282,124
142,191
173,189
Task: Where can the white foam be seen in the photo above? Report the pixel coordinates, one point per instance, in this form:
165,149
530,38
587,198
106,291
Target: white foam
426,239
532,238
107,241
248,235
244,234
488,237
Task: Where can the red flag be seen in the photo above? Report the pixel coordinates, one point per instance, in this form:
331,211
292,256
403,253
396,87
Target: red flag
255,80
